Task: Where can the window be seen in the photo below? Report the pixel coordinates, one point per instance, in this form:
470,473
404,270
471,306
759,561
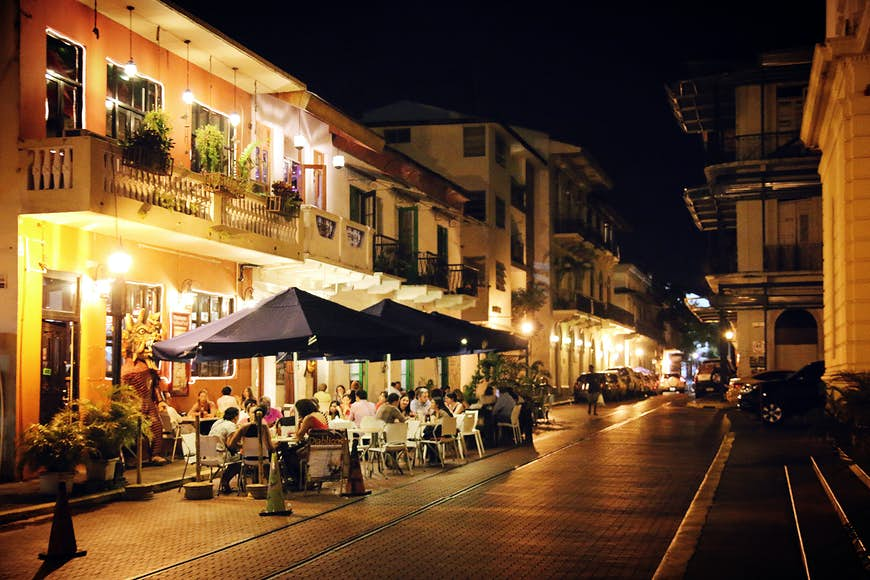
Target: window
136,297
397,135
500,211
363,206
500,276
202,116
479,264
475,207
474,141
208,308
359,371
127,101
500,150
64,90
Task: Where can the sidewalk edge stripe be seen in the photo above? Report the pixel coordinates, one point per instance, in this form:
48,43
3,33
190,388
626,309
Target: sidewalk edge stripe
685,540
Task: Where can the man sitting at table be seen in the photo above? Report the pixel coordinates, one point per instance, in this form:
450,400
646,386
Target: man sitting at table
322,397
226,400
362,407
224,429
273,414
421,406
389,412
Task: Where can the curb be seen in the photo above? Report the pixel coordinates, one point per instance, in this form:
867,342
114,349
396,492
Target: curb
41,509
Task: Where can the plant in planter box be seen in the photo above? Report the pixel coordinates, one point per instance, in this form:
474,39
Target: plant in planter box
290,199
57,447
110,425
149,147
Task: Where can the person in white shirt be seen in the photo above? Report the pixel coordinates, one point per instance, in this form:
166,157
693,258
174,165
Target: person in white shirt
421,406
361,408
323,399
224,429
226,400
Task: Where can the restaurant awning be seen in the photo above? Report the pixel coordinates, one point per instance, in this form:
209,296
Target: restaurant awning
291,321
485,339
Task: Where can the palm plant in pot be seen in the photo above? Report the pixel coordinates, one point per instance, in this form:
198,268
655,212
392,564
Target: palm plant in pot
109,426
55,449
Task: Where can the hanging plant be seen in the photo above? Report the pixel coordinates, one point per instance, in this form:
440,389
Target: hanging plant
528,300
149,147
210,147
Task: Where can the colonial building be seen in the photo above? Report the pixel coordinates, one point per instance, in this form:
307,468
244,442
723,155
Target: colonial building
265,186
835,122
542,221
761,207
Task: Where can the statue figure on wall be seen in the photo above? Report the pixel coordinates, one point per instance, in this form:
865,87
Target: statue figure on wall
139,370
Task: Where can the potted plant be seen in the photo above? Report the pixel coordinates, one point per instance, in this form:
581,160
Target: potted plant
56,448
149,147
110,425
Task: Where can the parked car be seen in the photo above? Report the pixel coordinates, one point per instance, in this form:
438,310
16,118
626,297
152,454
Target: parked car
649,382
609,381
629,380
673,382
708,379
776,399
745,385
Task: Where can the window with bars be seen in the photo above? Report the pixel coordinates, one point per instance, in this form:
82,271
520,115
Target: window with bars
474,141
64,81
208,308
127,101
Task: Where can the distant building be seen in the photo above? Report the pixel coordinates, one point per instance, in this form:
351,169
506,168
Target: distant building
761,208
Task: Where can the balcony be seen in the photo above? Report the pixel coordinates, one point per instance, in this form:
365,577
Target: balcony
793,257
427,277
576,226
587,305
81,181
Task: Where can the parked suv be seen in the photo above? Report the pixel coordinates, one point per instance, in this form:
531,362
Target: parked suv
777,399
708,379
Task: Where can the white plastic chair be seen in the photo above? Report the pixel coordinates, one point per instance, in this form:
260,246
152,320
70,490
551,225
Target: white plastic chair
170,433
448,437
395,439
375,427
210,457
413,437
250,456
514,425
468,428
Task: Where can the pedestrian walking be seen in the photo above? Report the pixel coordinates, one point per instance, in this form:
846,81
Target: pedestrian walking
594,391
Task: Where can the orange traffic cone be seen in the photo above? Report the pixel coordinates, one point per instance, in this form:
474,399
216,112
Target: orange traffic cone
356,485
62,540
275,505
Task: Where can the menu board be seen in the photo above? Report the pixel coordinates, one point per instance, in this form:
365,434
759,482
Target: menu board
180,324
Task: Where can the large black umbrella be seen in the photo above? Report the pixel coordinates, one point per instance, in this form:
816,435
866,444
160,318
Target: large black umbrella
439,338
485,339
292,321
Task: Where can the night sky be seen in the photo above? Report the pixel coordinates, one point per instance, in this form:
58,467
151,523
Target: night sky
592,75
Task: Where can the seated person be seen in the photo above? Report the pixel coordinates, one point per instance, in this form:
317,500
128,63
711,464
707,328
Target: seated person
204,408
504,404
225,428
421,406
251,431
361,408
389,412
310,418
174,416
226,400
272,414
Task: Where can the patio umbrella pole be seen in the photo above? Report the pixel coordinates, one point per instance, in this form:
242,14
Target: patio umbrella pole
388,360
139,451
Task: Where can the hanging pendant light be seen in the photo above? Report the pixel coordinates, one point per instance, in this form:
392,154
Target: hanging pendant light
187,95
235,118
299,141
130,68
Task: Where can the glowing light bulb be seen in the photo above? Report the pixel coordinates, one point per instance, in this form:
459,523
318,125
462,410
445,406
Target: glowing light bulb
130,69
187,97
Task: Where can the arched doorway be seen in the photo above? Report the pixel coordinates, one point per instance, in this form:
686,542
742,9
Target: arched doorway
796,339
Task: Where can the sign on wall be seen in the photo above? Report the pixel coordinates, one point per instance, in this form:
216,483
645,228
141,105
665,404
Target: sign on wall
180,324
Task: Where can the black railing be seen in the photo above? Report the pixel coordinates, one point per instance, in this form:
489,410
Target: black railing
769,145
792,257
573,225
462,279
597,308
424,268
